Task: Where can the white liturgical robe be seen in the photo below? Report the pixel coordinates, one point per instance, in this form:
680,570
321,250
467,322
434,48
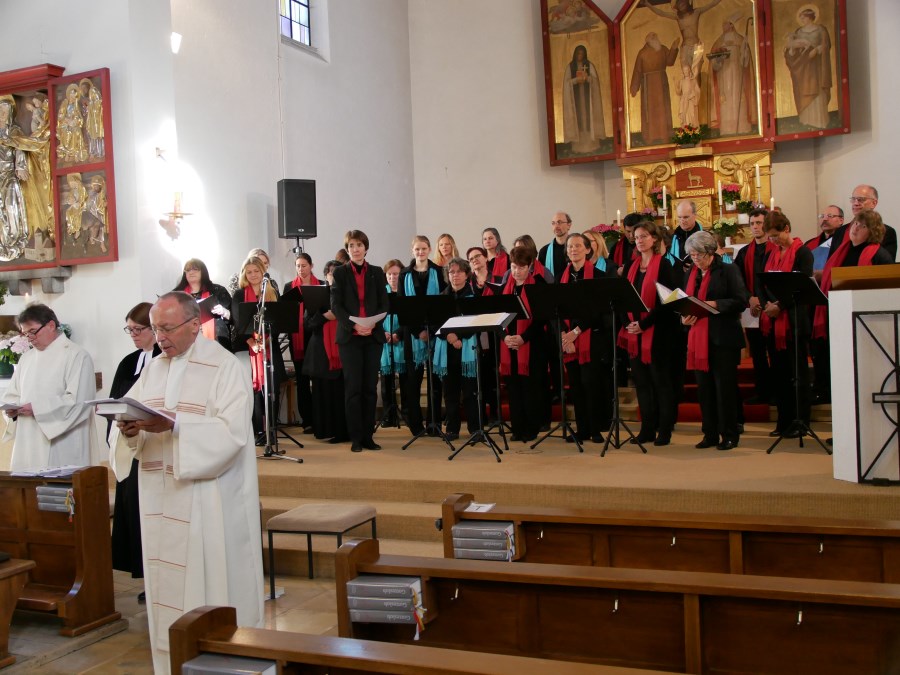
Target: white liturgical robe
199,493
56,382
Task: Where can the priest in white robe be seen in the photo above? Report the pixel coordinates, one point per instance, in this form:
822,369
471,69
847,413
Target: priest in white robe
199,493
51,425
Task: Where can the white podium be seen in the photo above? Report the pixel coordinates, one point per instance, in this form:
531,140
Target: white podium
865,384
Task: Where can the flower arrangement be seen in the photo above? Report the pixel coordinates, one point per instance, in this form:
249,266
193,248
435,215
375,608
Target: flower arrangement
4,291
647,211
731,193
656,196
610,233
745,206
727,227
12,346
690,135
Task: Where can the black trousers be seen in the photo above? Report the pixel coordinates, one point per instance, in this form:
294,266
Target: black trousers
126,531
524,405
361,358
759,353
414,379
820,351
717,391
677,370
656,396
783,381
591,392
304,394
459,389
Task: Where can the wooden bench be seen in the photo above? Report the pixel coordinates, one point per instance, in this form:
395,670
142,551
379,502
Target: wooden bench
72,577
784,546
214,630
694,622
13,574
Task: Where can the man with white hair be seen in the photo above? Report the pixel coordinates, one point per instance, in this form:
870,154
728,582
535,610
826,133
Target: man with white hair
198,480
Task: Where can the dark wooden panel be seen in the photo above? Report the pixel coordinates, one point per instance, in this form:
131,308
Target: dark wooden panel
685,550
548,543
641,630
752,636
814,556
12,514
55,565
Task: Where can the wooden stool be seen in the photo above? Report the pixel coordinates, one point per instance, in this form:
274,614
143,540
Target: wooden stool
310,519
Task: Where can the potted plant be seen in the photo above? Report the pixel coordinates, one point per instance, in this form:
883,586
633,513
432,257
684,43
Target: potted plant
12,346
610,233
731,194
744,207
656,196
689,136
727,228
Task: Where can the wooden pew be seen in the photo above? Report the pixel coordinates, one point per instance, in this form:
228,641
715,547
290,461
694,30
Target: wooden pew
694,622
13,574
214,630
784,546
72,577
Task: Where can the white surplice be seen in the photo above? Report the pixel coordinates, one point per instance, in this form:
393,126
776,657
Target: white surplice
56,382
199,493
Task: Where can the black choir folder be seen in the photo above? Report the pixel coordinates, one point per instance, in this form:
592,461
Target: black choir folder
684,304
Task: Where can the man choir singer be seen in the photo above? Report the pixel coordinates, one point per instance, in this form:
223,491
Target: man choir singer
198,480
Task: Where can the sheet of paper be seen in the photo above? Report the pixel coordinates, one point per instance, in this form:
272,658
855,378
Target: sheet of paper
475,507
748,320
368,321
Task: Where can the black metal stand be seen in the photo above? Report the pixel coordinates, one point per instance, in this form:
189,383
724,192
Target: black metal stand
500,425
480,435
563,424
798,424
613,437
433,427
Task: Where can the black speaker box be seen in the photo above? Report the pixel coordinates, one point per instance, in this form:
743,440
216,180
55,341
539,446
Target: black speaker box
296,208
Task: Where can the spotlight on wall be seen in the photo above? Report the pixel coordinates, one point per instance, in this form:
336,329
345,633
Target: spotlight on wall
175,40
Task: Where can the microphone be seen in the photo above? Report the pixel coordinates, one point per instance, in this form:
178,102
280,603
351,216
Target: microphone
266,276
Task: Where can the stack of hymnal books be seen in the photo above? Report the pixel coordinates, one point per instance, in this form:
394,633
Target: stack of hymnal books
376,598
484,540
126,409
56,498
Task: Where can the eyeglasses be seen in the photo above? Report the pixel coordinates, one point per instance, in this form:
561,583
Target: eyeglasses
829,215
698,256
31,334
168,331
560,222
191,269
859,223
135,330
860,200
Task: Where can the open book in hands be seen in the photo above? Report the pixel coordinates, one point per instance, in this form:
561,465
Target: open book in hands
684,304
126,409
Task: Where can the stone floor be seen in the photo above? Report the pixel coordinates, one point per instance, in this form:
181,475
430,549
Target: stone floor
307,606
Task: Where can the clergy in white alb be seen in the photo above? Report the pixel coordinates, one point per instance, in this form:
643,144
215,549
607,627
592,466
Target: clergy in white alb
51,425
199,495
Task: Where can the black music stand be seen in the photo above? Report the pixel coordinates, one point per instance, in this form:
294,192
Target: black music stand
619,296
493,304
553,302
427,311
476,323
393,407
795,288
270,318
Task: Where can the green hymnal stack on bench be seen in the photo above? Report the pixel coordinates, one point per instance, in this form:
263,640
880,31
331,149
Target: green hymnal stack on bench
385,599
484,540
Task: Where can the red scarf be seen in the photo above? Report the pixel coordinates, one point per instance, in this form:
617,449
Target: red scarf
619,253
820,323
298,343
523,352
500,266
583,341
750,266
360,277
257,365
628,340
538,269
208,327
780,262
329,333
698,337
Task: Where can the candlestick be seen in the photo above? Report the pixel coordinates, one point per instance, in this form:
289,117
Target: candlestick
664,198
633,194
720,195
772,204
757,176
618,215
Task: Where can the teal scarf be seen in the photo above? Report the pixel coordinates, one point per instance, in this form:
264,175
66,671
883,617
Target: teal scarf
391,326
468,357
600,264
419,347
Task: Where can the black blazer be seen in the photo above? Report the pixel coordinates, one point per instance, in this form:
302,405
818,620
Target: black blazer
345,300
889,243
726,287
803,262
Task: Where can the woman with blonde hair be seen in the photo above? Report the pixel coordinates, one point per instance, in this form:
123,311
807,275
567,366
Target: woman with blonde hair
445,252
599,252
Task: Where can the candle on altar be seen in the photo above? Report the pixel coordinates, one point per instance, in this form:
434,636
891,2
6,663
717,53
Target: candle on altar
720,194
772,204
664,198
757,176
633,193
618,216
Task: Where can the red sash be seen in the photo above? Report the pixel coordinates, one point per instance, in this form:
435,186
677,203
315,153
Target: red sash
208,327
820,322
257,365
628,340
298,343
750,266
780,262
583,341
360,277
329,333
523,352
698,336
500,266
538,269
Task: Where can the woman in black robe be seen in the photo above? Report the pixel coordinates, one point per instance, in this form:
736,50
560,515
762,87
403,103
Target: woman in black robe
126,531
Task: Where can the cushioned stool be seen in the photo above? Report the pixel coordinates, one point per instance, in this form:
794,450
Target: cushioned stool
310,519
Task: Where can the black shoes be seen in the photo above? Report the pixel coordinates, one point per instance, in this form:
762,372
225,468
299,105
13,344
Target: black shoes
707,443
356,447
643,438
663,439
142,598
260,440
451,435
726,445
371,445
